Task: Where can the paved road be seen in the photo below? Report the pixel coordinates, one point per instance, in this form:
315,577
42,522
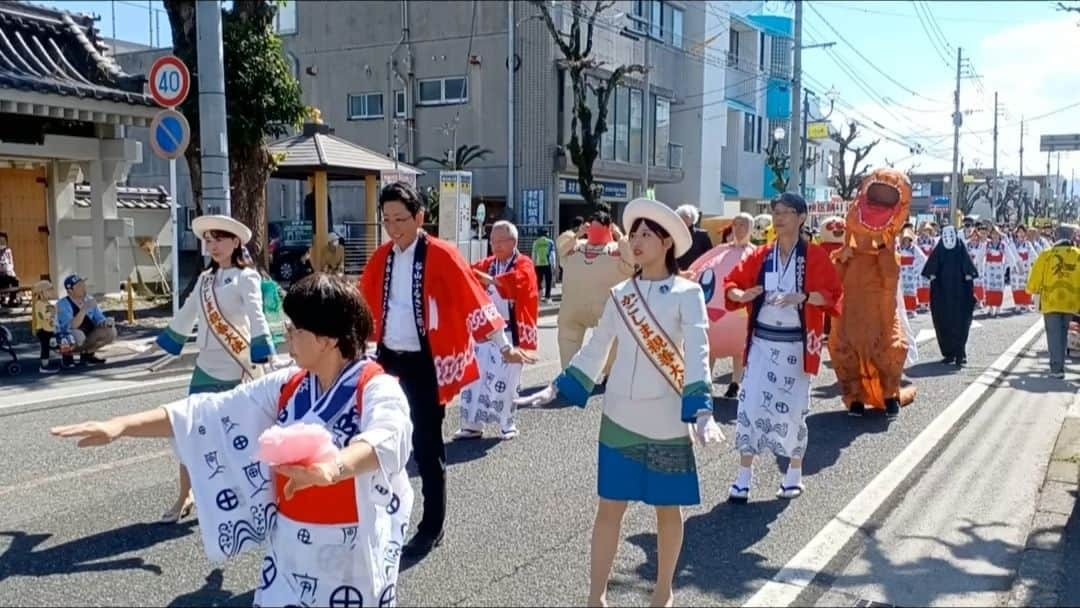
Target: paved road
73,531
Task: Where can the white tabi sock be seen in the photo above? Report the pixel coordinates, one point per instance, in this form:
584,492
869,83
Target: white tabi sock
744,477
793,477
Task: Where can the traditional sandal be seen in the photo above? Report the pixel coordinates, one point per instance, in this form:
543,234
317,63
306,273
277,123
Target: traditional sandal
176,513
738,494
790,492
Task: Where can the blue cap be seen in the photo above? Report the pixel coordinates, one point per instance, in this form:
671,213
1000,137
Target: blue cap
71,281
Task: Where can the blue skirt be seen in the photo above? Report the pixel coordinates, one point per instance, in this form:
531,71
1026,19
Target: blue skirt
658,472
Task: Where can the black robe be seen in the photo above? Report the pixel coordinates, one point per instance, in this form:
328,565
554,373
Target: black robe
952,297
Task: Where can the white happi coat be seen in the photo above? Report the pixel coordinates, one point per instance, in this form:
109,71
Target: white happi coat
977,253
995,269
912,261
490,399
925,244
216,437
238,293
1024,253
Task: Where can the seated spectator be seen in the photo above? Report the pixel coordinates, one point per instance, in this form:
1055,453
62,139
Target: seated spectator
8,278
81,325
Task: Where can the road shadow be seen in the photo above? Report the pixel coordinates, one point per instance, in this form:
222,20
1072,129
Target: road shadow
714,542
1069,587
923,581
1039,382
89,553
831,433
212,594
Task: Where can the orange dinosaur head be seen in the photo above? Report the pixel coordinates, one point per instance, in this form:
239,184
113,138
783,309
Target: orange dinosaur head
881,207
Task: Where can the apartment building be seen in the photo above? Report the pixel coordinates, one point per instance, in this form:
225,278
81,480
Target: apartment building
419,79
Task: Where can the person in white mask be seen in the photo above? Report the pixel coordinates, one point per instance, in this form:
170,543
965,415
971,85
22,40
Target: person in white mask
952,295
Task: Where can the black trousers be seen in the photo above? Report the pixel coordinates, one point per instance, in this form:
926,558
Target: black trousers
543,279
43,339
416,372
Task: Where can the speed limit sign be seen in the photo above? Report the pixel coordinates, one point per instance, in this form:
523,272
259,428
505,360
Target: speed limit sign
169,81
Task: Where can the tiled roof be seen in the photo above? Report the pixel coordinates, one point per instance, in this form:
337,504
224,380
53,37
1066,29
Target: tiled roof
56,52
127,197
317,149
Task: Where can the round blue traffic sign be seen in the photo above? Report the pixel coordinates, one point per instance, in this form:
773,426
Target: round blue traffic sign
169,134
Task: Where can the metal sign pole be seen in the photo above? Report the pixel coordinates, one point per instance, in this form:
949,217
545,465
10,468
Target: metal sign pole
176,239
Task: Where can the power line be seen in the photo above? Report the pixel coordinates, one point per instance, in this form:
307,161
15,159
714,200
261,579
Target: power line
861,9
930,36
864,58
929,12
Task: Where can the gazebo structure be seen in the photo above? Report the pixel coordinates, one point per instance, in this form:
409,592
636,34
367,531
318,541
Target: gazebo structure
317,156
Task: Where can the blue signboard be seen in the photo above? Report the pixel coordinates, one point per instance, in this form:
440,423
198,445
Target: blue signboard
532,210
612,190
940,201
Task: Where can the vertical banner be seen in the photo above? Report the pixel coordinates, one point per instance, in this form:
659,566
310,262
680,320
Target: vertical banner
533,206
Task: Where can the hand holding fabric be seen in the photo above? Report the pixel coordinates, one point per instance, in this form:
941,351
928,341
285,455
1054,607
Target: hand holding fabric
540,398
517,355
303,477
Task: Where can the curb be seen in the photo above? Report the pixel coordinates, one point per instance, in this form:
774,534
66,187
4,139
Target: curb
1043,560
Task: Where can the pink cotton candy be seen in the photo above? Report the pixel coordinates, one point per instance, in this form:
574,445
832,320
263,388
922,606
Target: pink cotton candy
300,444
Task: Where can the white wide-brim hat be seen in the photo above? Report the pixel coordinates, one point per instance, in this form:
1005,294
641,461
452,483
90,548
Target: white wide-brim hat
205,223
661,214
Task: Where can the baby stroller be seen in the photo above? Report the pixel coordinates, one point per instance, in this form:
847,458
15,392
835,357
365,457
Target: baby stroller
13,367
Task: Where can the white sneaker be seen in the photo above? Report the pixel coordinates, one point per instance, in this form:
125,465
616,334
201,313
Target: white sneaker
510,433
468,434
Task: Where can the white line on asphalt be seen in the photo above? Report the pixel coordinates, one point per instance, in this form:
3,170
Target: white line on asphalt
800,571
77,394
77,473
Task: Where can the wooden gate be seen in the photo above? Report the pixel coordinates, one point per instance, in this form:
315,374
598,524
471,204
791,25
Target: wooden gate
23,216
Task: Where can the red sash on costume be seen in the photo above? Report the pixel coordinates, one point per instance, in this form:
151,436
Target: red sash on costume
328,505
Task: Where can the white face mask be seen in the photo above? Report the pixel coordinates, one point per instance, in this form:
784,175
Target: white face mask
948,237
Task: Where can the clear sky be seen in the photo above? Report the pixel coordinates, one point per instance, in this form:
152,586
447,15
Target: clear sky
1026,50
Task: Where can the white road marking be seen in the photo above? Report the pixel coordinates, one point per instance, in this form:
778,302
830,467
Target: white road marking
800,571
77,473
90,390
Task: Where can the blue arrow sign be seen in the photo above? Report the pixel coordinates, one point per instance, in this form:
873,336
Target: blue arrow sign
169,134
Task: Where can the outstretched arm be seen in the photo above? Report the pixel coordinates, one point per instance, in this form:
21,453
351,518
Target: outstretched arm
149,423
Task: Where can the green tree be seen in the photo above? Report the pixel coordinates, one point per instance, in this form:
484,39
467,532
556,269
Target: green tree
262,102
577,59
463,156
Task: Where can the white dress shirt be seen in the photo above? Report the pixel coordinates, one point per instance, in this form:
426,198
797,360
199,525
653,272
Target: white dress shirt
399,333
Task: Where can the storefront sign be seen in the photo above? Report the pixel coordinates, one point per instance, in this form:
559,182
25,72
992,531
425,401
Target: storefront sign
613,191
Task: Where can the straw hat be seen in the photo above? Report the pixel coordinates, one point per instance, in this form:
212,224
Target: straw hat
205,223
661,214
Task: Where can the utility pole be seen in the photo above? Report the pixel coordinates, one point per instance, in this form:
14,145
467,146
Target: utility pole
994,187
1023,204
511,208
213,128
649,108
958,119
1049,191
795,152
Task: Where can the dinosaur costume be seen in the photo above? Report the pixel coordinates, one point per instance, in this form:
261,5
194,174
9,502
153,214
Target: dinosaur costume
868,344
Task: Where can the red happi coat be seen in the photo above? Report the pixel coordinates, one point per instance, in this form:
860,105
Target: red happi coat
518,287
815,273
455,310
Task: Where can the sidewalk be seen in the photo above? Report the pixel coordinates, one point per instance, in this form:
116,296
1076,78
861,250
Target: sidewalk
1054,539
959,535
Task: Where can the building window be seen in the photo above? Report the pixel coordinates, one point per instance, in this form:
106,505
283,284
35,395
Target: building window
399,103
780,66
365,106
733,48
676,28
637,116
294,64
607,140
760,128
441,91
648,18
748,132
761,52
285,17
622,124
661,130
782,145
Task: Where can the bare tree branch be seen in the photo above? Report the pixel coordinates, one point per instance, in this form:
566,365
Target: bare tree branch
556,35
